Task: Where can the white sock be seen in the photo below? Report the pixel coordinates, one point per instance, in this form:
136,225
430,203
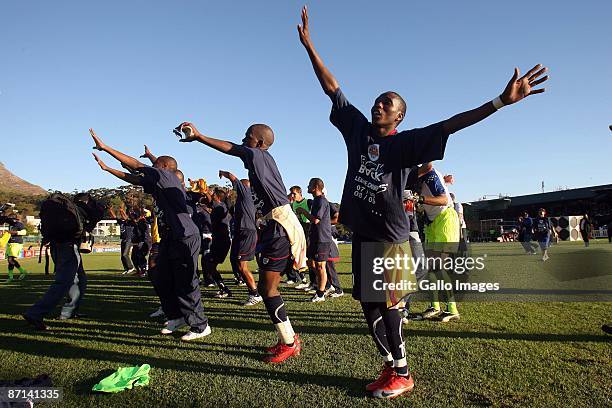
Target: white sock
400,363
285,332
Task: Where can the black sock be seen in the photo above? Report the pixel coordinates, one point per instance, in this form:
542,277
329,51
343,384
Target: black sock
401,371
393,327
320,293
373,317
276,309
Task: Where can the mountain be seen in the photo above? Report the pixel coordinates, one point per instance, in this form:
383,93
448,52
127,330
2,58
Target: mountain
11,183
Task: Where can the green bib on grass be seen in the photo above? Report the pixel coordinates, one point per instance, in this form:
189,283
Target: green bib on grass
124,378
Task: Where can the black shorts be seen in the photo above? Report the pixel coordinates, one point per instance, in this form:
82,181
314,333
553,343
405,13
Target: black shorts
334,253
318,251
219,247
243,245
275,251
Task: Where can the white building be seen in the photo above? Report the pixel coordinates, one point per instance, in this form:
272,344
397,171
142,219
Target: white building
106,228
31,220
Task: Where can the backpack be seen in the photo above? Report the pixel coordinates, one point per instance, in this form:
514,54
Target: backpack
60,219
65,220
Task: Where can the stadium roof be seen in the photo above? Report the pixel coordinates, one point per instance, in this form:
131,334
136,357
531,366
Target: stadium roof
585,193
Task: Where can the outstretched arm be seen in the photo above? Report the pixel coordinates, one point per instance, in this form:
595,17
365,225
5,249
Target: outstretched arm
130,178
148,155
516,90
221,145
126,161
228,176
326,79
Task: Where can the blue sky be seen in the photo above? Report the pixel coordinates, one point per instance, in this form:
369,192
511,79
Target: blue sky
134,70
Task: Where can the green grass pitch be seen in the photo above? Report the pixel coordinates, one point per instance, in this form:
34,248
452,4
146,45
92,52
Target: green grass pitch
499,354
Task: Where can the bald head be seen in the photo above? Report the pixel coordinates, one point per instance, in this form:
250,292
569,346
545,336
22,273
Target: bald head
400,101
260,136
165,162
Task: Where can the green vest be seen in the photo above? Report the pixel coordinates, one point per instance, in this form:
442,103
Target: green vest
303,204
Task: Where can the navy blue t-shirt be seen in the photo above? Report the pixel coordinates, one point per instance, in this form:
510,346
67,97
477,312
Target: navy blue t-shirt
378,170
244,210
542,226
321,231
527,226
202,220
220,220
264,176
171,200
126,229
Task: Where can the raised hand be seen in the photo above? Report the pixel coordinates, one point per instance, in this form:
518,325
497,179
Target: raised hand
147,152
194,134
303,28
223,173
520,88
99,145
102,165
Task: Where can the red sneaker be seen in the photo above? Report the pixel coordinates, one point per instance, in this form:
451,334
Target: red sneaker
272,350
395,386
283,352
381,380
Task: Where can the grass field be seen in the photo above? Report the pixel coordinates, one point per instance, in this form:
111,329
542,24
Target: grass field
499,354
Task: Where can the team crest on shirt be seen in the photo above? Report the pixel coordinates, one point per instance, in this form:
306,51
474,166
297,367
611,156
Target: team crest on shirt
265,261
373,152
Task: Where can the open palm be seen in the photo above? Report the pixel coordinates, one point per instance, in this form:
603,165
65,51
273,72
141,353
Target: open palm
520,88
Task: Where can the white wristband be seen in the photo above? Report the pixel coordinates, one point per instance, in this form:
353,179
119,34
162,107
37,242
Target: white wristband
497,103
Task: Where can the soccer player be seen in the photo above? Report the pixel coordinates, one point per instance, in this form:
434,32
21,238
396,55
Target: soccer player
15,245
278,242
543,230
410,197
463,238
378,160
526,228
221,241
180,244
333,287
126,228
245,235
320,235
201,218
441,239
298,201
585,229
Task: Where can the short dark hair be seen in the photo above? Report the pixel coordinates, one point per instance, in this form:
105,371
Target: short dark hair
318,183
401,101
296,188
220,193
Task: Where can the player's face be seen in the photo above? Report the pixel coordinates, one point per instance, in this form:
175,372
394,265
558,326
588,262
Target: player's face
249,140
386,111
311,188
296,195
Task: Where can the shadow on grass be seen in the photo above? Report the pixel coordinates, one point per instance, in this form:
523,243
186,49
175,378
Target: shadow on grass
84,386
354,386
